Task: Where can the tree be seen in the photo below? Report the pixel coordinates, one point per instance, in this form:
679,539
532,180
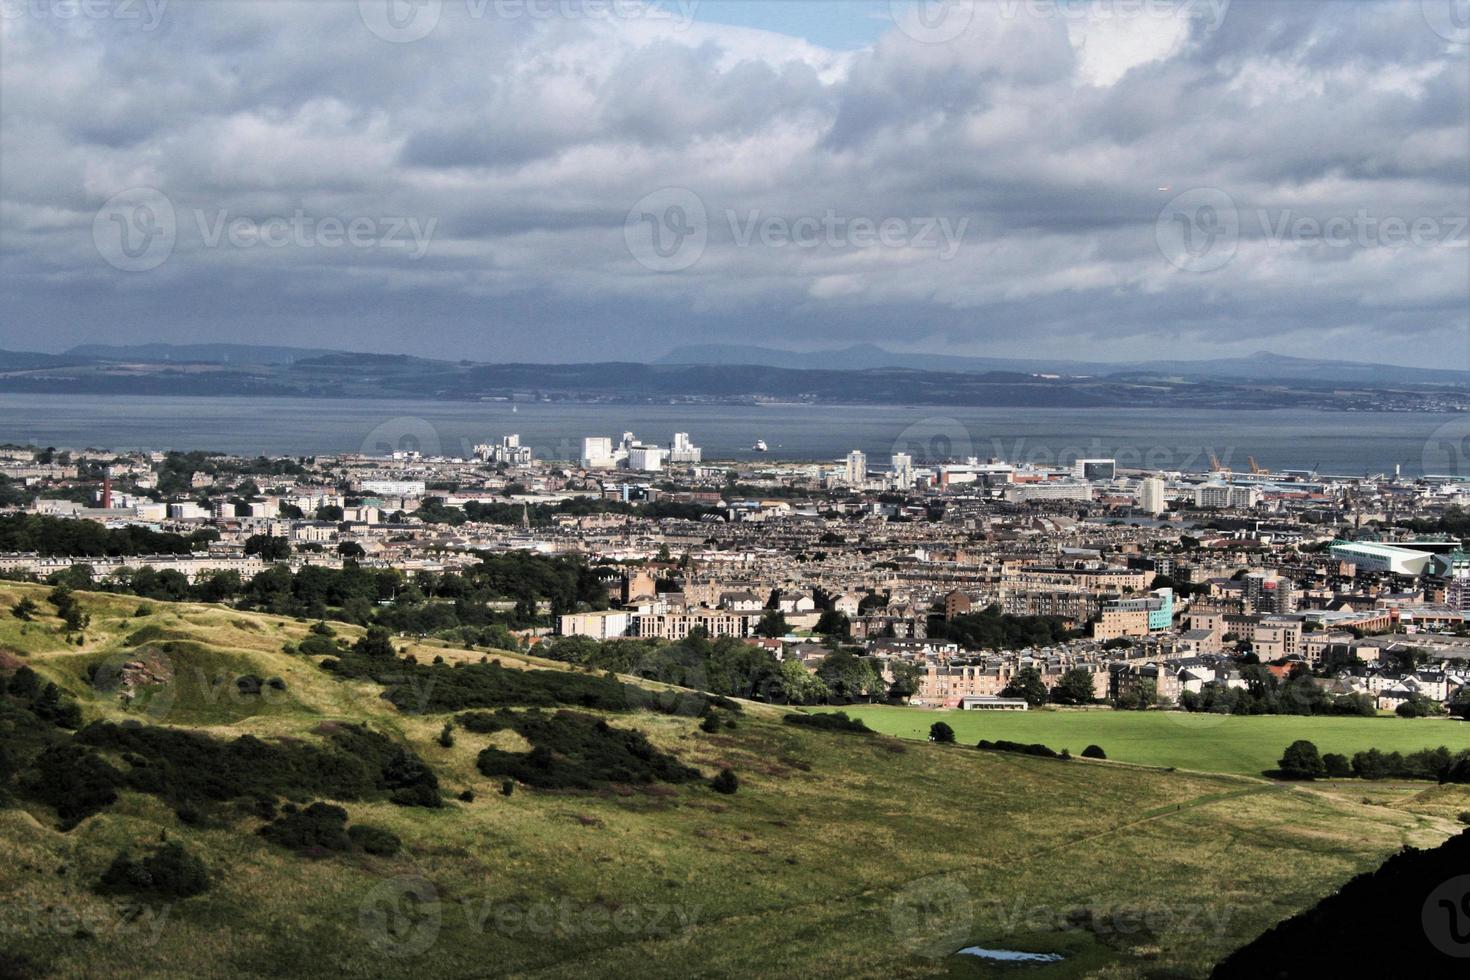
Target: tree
905,680
726,782
772,624
1336,766
1094,752
350,549
1027,684
1418,706
1139,696
834,623
941,733
377,643
1301,761
25,609
1074,687
268,547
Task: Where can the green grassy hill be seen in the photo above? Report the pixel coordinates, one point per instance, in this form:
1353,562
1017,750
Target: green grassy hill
1211,743
839,855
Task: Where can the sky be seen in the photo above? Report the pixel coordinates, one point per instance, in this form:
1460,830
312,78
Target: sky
574,180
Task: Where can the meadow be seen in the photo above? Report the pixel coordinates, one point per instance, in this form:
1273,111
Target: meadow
840,854
1203,742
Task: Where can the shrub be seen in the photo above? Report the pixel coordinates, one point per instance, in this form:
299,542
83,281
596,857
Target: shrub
508,787
468,796
710,724
834,721
726,782
941,733
1094,752
1301,761
321,826
1005,745
374,840
446,735
1336,765
169,872
578,751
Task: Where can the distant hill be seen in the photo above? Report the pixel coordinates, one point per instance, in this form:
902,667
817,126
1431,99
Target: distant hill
198,353
1260,366
23,360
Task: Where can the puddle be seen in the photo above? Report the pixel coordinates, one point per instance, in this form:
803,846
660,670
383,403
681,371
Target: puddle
1010,955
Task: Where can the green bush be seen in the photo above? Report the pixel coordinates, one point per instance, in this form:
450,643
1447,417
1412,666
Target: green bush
1094,752
834,721
726,782
578,751
169,872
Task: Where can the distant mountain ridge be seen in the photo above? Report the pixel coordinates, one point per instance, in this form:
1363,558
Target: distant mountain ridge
199,353
1260,366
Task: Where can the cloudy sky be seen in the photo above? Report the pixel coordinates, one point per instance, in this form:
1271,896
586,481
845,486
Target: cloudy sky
609,179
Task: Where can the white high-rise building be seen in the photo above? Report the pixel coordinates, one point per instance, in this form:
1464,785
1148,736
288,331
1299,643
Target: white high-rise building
903,470
597,453
681,450
648,459
1151,495
857,468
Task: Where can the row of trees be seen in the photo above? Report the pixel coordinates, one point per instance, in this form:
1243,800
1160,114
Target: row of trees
56,537
1265,694
1302,760
424,602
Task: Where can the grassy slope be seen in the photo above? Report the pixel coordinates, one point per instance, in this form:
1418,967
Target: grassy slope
1212,743
816,867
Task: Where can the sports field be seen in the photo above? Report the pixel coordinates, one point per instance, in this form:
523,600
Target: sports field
1213,743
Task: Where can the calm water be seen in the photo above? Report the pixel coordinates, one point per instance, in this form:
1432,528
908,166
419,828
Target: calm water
1334,442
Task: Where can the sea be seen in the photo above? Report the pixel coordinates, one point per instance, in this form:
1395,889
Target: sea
1335,443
